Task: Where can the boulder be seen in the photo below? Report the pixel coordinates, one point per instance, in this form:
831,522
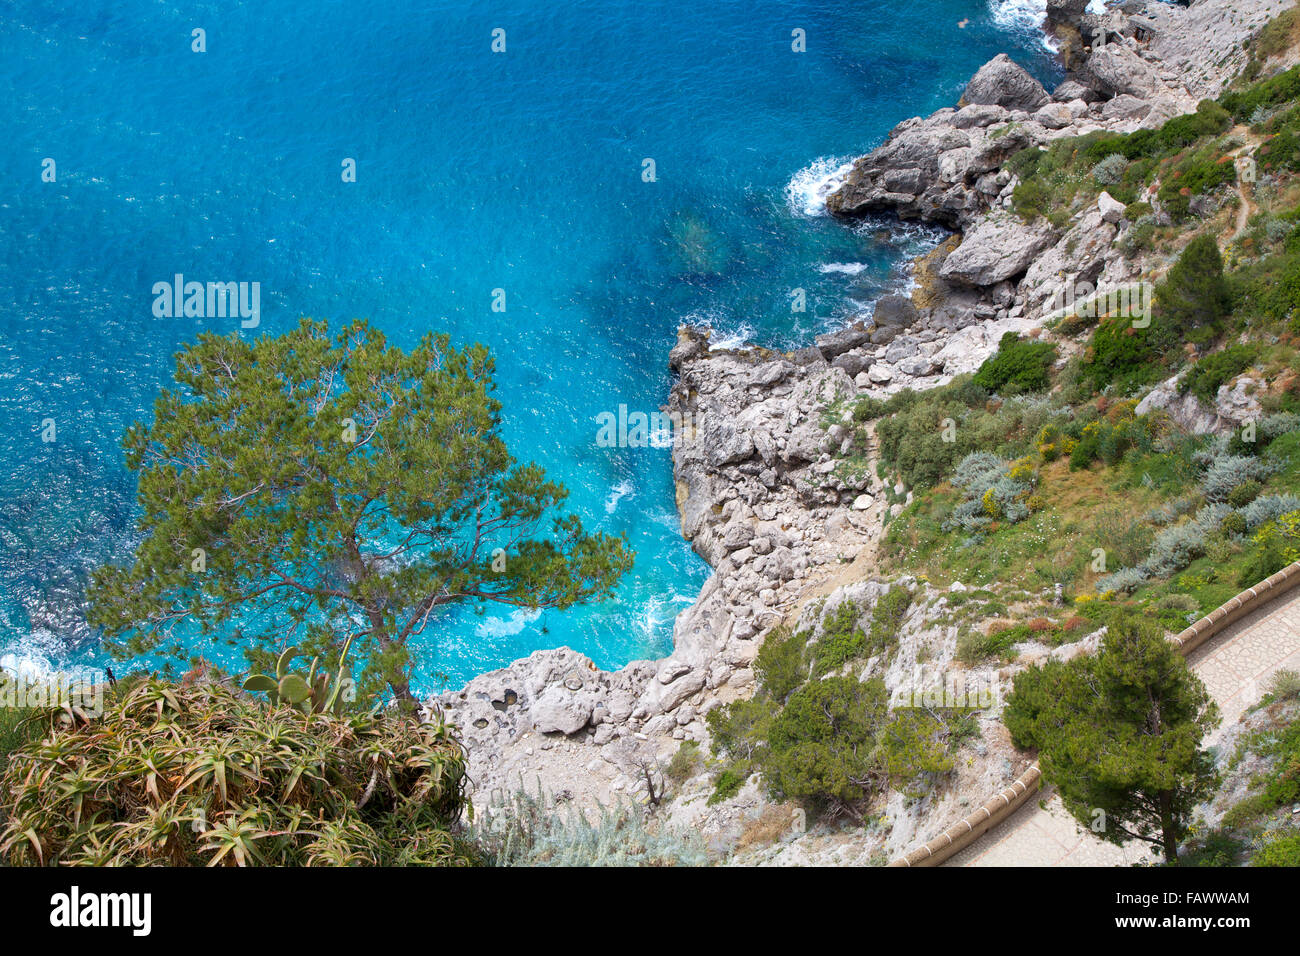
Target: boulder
724,441
852,363
979,114
998,248
559,710
1003,82
895,310
884,334
1118,69
1074,90
834,344
1111,209
1054,116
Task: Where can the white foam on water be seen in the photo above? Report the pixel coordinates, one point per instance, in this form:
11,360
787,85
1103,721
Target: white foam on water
845,268
620,491
658,611
505,627
735,337
1031,15
1018,14
33,657
807,190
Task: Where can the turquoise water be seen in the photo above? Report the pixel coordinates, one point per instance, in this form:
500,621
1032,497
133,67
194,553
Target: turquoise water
476,171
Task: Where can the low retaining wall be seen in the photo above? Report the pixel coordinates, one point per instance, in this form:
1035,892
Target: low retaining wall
1005,803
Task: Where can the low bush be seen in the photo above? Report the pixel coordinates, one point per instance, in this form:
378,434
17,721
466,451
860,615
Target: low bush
1229,472
528,830
1212,371
1284,851
202,775
1022,366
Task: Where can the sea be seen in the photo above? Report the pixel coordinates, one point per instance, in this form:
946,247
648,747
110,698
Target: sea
566,182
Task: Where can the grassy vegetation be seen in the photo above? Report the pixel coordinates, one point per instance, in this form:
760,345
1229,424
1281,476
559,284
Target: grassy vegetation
1259,828
818,734
1186,155
1018,472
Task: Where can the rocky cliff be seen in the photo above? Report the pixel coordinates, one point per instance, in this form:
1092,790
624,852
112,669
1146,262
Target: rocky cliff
772,492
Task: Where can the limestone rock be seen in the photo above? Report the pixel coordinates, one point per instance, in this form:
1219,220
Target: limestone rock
998,248
1003,82
1111,209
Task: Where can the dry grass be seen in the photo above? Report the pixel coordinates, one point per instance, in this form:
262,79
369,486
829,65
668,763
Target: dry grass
769,826
1279,36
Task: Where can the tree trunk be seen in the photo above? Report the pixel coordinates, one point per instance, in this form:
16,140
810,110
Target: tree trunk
401,684
1168,827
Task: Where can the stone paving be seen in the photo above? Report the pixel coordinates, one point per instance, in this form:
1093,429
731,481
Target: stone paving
1235,665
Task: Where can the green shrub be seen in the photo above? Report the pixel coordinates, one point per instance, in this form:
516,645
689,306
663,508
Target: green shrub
1124,356
1024,366
1212,371
684,763
886,618
202,775
739,729
1210,119
841,640
1242,495
1196,174
1031,199
1233,526
975,647
779,664
728,784
1194,296
820,746
1283,88
1284,851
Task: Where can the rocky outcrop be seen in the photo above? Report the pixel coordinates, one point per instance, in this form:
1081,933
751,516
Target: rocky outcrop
772,490
1003,82
943,169
999,248
764,500
1235,404
1202,45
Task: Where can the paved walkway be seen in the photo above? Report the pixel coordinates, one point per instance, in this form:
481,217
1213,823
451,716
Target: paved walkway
1235,665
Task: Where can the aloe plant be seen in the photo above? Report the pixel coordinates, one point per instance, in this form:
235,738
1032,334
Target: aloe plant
315,693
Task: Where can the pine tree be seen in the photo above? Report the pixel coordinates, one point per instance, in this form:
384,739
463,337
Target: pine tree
309,489
1119,735
1194,297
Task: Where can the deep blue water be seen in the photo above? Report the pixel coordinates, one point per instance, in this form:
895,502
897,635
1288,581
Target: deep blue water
476,171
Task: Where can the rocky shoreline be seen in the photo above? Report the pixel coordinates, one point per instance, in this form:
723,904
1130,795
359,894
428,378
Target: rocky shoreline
770,489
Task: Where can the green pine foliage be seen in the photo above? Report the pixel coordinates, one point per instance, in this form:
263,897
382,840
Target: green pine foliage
1212,371
337,486
1119,735
829,740
1194,297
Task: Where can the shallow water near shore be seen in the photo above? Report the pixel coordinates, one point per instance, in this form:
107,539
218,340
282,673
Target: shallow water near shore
476,171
